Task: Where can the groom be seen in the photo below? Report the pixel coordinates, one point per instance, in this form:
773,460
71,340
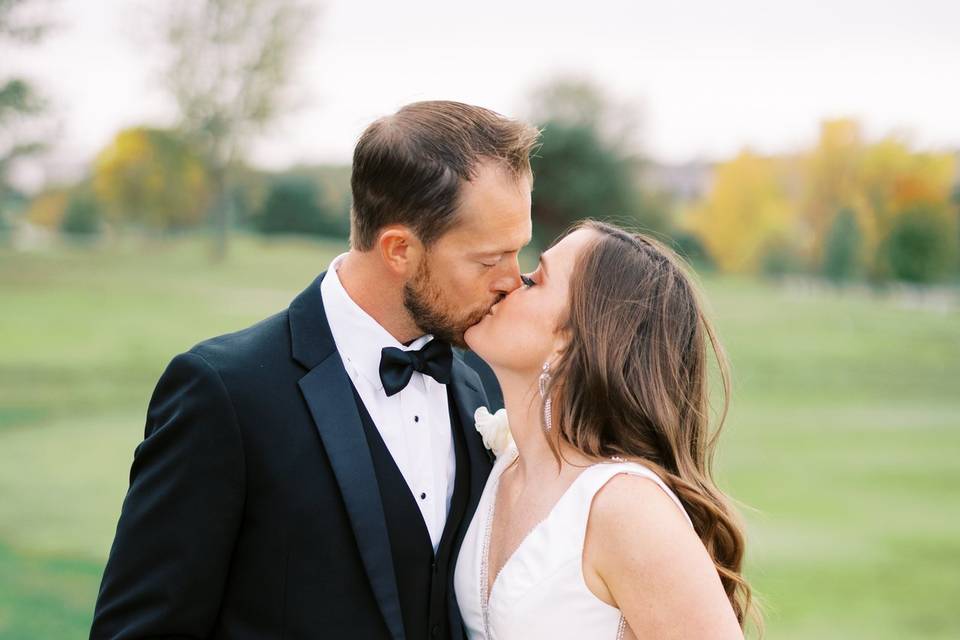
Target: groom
312,476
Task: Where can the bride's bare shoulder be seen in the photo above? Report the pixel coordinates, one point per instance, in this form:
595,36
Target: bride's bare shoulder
642,555
635,518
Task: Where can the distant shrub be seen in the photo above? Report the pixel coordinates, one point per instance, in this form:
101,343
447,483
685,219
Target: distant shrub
82,216
781,258
692,249
841,251
293,205
920,246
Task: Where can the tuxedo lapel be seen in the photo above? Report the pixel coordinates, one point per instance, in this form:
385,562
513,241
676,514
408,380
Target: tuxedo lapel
468,395
327,391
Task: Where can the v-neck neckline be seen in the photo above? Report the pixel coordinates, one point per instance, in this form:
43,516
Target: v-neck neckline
486,585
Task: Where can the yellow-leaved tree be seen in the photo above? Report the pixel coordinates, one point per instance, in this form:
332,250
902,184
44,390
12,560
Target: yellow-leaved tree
746,212
830,182
846,207
150,178
47,208
894,181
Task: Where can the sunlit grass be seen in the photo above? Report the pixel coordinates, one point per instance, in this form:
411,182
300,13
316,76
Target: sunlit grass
843,439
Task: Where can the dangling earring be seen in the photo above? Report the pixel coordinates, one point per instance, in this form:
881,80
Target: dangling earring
548,403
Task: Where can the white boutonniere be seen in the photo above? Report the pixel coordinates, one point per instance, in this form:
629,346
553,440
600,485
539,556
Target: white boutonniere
494,428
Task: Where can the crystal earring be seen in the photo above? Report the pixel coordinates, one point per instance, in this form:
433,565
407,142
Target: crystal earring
548,403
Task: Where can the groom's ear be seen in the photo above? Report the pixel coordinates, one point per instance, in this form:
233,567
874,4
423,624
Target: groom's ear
400,250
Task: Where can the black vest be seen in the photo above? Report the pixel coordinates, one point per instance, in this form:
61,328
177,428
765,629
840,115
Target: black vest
424,580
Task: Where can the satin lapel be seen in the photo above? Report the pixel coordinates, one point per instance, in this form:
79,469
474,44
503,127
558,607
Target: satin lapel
327,391
468,395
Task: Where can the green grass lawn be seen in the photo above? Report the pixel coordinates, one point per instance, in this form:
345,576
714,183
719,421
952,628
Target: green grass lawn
843,442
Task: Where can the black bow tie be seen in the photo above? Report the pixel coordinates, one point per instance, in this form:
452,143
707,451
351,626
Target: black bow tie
397,365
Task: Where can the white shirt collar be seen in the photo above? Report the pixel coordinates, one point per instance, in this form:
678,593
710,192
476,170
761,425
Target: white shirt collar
359,338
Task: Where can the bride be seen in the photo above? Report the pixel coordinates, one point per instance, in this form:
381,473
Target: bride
602,520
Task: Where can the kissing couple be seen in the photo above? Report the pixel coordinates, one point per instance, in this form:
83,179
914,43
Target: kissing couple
321,474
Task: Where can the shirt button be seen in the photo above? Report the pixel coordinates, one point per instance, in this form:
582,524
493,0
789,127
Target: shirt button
435,631
423,496
416,418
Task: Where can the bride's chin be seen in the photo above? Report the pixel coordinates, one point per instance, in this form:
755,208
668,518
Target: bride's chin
474,336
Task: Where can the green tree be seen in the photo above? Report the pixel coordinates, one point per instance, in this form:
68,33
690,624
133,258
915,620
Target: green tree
841,251
20,102
576,177
585,166
291,206
692,249
82,216
920,247
955,207
229,64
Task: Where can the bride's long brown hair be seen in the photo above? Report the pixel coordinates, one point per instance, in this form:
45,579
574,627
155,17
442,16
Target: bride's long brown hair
633,382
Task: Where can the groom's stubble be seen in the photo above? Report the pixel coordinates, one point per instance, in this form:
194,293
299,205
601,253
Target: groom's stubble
426,304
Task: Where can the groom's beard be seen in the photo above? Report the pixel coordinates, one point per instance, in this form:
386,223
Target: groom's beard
425,302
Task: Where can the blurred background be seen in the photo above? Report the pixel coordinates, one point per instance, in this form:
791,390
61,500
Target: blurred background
171,171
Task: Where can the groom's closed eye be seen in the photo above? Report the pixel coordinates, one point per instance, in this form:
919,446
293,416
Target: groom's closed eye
527,282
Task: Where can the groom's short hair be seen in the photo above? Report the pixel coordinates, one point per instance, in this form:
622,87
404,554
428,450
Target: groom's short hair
408,167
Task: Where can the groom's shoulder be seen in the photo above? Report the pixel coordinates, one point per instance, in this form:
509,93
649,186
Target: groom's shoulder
249,349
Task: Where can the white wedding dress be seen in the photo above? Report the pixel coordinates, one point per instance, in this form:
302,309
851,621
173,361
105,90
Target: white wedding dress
540,592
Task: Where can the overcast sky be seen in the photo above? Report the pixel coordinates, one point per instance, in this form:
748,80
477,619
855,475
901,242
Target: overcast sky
707,77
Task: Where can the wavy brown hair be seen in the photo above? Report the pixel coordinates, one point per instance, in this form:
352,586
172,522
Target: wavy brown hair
633,383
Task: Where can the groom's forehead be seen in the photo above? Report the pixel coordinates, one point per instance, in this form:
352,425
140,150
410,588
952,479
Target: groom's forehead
500,246
477,240
492,234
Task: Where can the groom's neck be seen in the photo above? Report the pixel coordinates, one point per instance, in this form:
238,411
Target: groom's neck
378,292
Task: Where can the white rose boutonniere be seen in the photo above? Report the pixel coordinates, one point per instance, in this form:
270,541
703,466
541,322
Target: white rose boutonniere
494,428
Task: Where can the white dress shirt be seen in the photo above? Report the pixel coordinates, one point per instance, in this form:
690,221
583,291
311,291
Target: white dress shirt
414,423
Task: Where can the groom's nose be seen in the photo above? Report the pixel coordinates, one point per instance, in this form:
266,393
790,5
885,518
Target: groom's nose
508,278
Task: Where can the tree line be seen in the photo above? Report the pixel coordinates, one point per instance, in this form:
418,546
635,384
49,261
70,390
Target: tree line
846,208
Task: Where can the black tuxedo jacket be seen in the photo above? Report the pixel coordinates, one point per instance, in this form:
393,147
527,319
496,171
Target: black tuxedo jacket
253,509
